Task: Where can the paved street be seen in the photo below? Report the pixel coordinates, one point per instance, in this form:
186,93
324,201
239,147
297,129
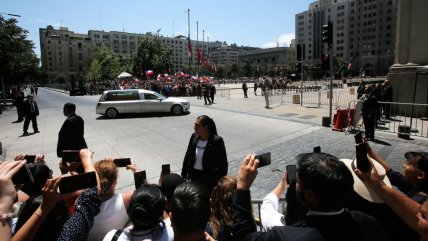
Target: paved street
152,140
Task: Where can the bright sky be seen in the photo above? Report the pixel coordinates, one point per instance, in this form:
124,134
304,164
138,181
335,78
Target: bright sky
251,23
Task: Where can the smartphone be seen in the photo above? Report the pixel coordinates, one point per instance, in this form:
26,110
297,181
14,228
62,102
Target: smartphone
139,178
122,162
363,163
317,149
77,182
264,159
71,156
291,173
30,158
358,138
23,175
166,169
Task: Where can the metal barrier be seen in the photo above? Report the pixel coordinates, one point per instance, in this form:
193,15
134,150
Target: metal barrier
225,93
410,117
257,203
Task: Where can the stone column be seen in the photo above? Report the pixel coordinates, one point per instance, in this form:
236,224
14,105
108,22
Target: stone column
411,51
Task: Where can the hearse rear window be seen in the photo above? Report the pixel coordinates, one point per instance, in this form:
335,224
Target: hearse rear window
122,95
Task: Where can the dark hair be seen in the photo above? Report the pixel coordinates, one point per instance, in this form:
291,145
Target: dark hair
169,183
41,173
70,106
420,160
190,208
327,177
146,207
51,227
294,211
207,121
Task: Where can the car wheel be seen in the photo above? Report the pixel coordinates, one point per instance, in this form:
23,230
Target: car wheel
111,113
177,110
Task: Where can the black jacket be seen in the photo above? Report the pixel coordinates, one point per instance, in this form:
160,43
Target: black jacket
70,137
27,109
214,160
346,226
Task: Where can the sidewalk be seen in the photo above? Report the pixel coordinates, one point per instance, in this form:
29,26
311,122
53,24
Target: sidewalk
284,151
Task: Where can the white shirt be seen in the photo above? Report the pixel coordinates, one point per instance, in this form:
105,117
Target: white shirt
166,234
112,215
200,149
269,212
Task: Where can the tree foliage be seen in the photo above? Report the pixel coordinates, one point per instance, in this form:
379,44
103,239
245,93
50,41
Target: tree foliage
152,55
107,65
17,58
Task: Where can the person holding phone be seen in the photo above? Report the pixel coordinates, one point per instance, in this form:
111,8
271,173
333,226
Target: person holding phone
70,137
413,181
324,185
295,211
205,160
113,211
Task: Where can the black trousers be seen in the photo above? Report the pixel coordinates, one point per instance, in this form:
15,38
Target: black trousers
245,93
207,97
33,119
369,124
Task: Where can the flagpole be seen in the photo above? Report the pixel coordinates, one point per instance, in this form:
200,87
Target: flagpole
188,36
197,47
203,47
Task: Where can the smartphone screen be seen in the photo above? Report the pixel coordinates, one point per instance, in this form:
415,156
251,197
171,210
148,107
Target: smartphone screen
71,155
317,149
363,162
291,173
358,138
77,182
139,178
122,162
264,159
166,169
23,175
30,158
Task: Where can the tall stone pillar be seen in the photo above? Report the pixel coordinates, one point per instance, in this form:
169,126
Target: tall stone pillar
411,51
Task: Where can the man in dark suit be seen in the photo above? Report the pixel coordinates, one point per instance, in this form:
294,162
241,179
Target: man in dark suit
324,185
387,97
31,111
70,136
212,92
245,89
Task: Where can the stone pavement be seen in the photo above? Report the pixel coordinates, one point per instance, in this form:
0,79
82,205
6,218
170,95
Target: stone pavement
284,150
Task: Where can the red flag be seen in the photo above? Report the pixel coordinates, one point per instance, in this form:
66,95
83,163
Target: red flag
199,57
189,47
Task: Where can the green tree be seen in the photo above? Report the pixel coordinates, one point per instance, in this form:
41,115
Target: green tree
248,69
17,58
105,65
152,55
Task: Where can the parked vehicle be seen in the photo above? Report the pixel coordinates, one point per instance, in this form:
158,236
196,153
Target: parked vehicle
114,102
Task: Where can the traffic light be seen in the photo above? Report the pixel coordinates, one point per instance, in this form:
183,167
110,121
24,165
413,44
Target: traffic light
298,68
327,33
300,55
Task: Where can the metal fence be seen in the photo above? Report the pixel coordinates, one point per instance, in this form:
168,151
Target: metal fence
409,119
312,98
223,92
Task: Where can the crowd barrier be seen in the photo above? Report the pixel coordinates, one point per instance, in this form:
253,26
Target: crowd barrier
257,204
405,119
